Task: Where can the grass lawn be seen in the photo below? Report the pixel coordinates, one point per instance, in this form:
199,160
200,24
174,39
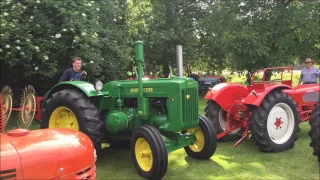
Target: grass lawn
242,162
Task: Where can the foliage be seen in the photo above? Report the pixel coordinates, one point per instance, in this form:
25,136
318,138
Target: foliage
39,38
259,34
163,25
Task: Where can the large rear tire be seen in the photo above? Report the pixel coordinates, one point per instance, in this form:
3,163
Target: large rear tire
71,109
275,122
314,132
149,153
218,116
206,139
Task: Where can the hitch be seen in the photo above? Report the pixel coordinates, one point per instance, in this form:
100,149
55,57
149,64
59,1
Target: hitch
245,134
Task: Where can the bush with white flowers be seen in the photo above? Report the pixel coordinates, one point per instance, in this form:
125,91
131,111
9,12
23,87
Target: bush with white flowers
40,37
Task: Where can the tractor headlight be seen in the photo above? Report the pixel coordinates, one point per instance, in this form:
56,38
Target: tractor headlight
98,86
95,155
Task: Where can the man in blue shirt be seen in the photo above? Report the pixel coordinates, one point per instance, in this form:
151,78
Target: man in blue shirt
309,74
74,73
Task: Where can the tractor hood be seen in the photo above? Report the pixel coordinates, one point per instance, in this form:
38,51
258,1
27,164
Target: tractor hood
210,79
51,153
160,87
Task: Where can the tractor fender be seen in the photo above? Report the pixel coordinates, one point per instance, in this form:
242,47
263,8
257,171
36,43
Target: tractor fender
255,99
83,86
226,93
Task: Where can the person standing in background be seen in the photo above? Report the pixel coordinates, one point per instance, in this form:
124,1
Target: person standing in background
309,74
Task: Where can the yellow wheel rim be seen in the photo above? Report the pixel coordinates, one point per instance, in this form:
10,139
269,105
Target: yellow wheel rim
200,140
143,154
63,117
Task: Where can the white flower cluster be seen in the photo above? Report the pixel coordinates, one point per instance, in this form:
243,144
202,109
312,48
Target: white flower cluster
57,36
95,35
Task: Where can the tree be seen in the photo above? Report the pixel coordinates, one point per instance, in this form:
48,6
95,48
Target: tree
39,39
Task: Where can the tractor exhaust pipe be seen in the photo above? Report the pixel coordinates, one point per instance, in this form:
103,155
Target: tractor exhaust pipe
139,60
143,103
179,60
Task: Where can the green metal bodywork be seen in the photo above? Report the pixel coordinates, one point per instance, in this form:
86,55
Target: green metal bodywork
179,94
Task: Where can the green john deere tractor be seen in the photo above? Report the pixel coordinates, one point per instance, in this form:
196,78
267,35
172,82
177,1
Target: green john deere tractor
159,116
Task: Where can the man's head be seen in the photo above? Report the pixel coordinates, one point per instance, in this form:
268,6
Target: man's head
308,62
76,63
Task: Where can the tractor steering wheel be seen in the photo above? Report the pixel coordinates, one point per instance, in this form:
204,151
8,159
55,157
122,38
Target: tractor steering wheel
76,76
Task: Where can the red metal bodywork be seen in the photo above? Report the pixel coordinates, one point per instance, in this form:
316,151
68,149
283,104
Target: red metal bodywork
236,99
38,111
225,94
47,154
306,97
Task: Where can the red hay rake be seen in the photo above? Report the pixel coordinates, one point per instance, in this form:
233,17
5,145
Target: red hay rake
28,110
1,116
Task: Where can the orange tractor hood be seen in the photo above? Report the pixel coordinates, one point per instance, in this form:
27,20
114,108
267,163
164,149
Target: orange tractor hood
46,153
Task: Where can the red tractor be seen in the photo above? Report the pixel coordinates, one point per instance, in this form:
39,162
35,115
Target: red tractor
45,153
270,109
314,132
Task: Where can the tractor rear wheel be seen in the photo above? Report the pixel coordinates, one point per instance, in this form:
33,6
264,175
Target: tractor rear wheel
314,132
206,139
71,109
274,124
218,116
149,153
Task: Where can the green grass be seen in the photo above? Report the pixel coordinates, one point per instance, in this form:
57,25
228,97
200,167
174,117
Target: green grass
228,162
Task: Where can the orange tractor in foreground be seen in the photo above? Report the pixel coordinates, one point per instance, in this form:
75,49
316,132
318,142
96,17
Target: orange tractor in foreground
270,109
45,154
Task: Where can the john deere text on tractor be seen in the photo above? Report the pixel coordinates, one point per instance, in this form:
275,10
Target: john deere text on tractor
270,109
45,153
143,110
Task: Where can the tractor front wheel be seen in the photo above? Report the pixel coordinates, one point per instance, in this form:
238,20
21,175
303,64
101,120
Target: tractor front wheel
206,139
149,153
314,132
71,109
275,122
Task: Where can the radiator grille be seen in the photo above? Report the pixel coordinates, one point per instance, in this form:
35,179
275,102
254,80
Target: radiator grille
8,174
189,107
87,174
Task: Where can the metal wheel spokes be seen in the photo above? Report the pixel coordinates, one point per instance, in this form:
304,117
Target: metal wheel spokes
6,103
27,107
